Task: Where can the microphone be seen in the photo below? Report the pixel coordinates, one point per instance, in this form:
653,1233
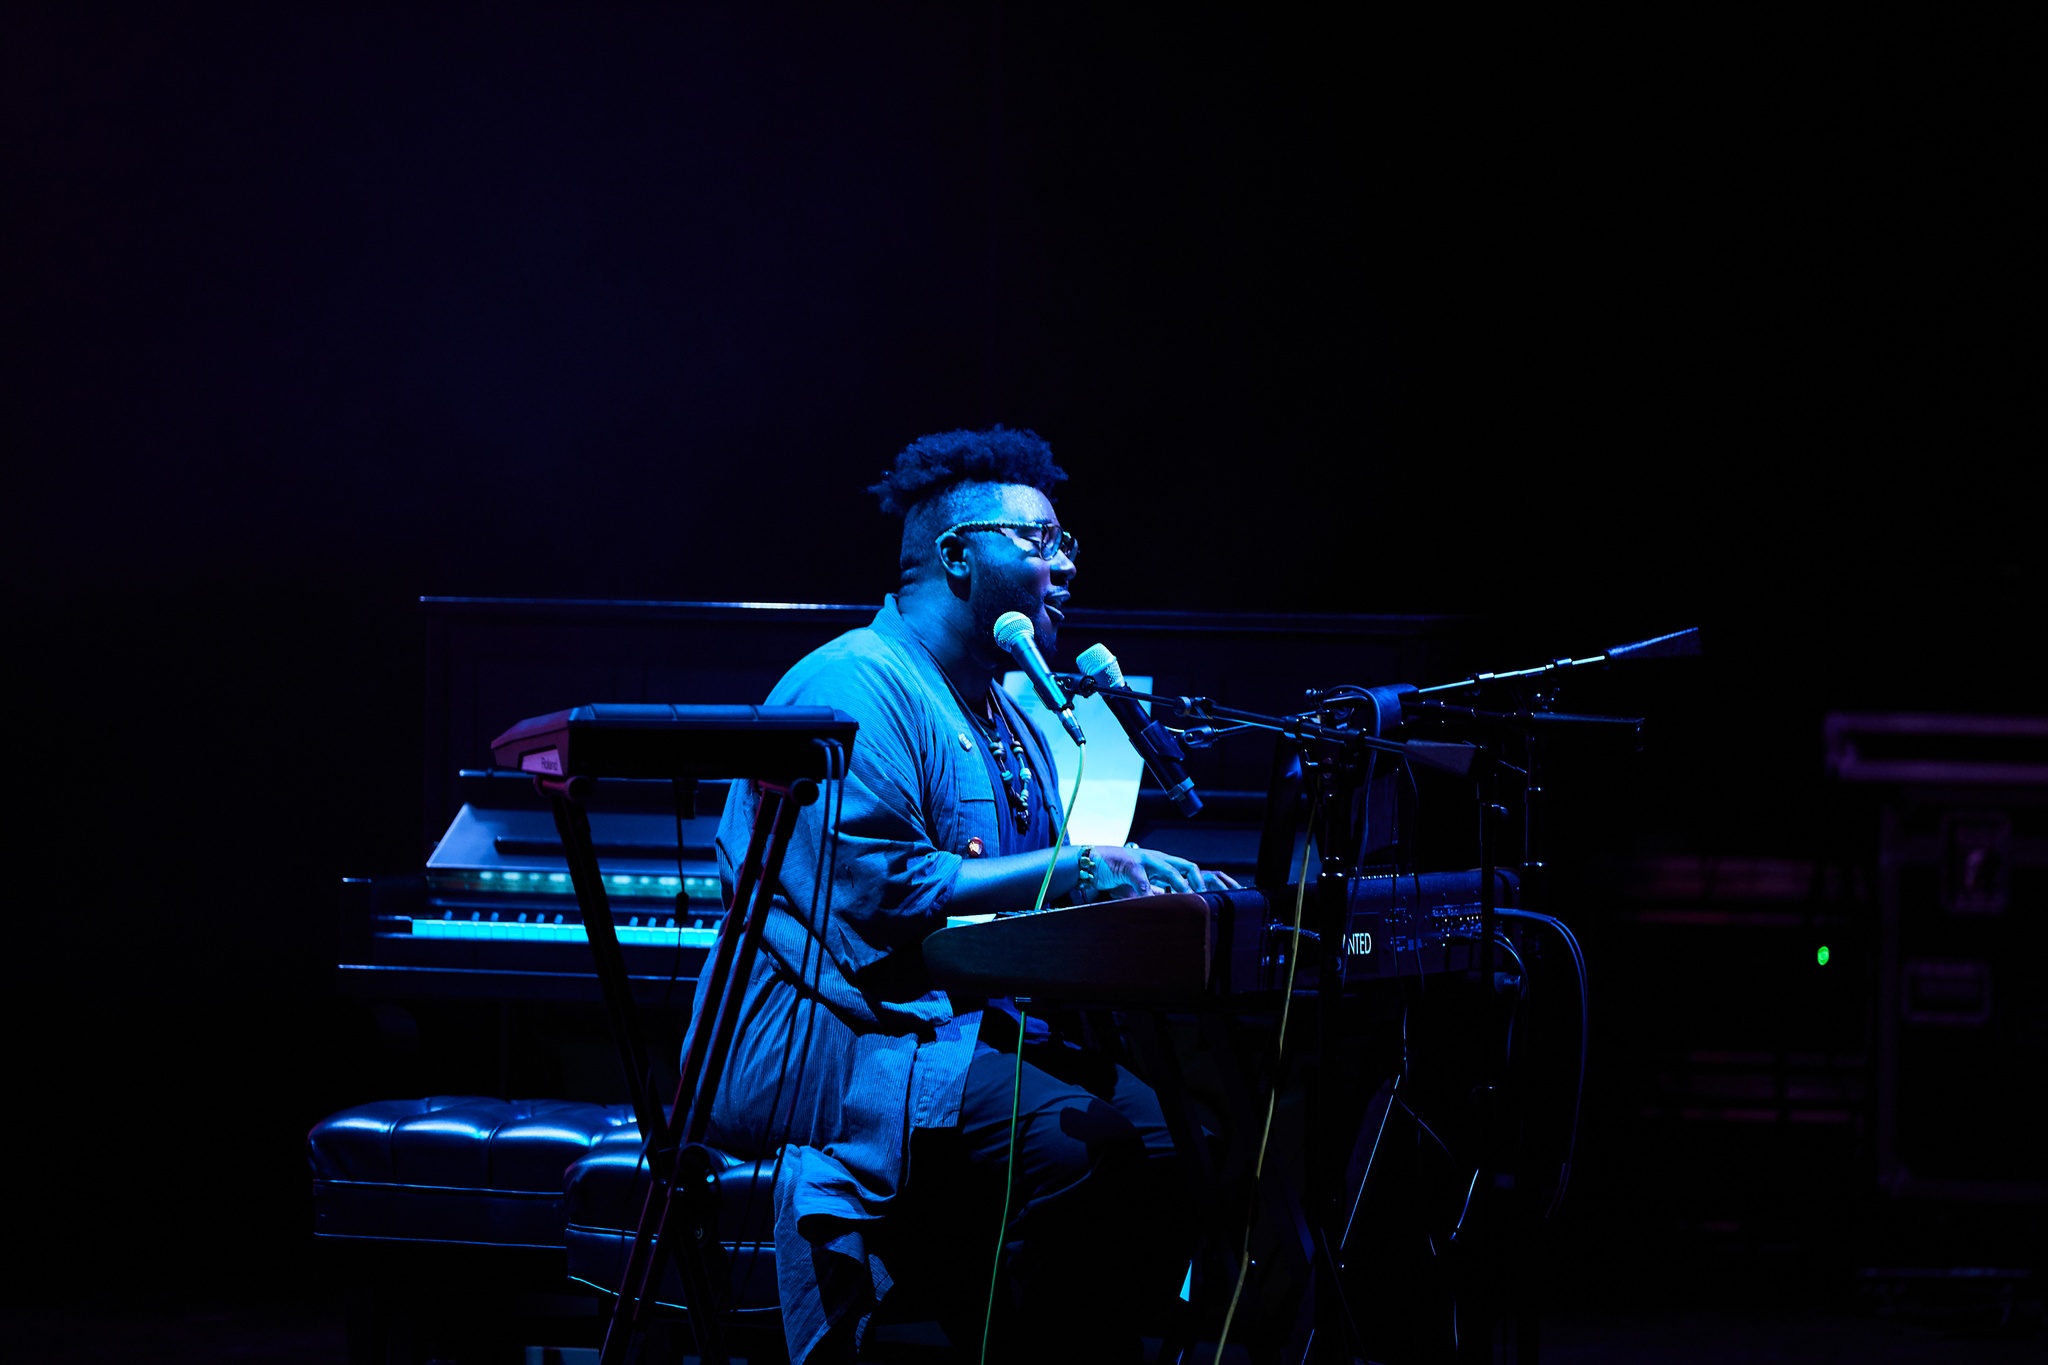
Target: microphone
1013,632
1153,741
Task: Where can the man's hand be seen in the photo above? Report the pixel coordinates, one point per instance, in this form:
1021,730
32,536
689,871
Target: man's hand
1134,871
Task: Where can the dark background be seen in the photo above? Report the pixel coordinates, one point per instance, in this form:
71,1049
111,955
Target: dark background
1585,328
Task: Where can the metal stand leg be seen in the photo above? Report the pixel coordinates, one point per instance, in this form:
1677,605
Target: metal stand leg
682,1174
573,822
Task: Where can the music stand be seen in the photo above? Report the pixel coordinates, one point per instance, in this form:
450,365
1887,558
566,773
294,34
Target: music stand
786,751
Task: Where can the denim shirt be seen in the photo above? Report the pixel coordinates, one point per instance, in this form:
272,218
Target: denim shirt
841,1055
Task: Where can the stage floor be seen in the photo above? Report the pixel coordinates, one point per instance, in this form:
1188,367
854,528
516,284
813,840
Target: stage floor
311,1333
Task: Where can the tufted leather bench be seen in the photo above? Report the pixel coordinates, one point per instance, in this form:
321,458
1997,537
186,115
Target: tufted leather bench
606,1190
425,1200
455,1169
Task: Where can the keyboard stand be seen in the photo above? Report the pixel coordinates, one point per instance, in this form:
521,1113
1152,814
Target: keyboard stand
681,1204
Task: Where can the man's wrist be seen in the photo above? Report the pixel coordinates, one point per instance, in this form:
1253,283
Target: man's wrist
1084,874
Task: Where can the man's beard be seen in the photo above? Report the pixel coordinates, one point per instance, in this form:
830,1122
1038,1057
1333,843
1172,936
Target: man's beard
988,601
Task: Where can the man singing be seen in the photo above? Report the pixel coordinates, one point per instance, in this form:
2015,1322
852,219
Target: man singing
891,1102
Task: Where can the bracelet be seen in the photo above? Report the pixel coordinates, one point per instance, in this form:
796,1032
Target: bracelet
1084,882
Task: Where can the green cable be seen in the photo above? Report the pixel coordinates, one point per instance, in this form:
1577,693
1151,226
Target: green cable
1017,1078
1080,765
1273,1091
1009,1171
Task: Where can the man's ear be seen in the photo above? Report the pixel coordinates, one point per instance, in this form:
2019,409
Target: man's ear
953,562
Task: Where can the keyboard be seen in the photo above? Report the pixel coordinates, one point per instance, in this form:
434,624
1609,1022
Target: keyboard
493,915
1186,949
671,742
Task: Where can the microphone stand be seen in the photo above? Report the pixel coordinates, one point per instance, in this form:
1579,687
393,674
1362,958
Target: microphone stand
1534,719
1335,763
1456,758
1532,724
1529,720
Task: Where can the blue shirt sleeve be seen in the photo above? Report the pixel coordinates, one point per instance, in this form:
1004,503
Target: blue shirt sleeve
891,870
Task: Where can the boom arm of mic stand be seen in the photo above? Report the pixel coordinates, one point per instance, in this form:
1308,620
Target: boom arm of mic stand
1529,721
1201,708
1678,644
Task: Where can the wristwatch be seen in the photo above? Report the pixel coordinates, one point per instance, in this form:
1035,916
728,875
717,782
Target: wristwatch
1084,882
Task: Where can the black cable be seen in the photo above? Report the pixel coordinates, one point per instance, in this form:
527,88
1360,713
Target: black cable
1571,943
1424,1126
1521,994
1365,1176
1503,941
825,874
1414,872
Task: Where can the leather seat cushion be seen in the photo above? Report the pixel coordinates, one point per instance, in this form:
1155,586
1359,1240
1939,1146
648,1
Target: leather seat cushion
455,1168
607,1189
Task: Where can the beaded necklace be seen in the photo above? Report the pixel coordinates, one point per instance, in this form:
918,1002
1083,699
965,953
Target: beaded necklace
1002,745
1008,752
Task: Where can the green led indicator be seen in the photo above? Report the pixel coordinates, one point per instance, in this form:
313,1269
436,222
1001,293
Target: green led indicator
1822,956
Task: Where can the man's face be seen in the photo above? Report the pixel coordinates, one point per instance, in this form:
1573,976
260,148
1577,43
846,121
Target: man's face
1009,574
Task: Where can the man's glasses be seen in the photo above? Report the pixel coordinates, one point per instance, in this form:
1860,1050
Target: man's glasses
1043,538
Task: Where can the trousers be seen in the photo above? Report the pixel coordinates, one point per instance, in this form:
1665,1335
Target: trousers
1098,1231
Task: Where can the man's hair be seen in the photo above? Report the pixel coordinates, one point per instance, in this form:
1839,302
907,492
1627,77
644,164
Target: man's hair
936,464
